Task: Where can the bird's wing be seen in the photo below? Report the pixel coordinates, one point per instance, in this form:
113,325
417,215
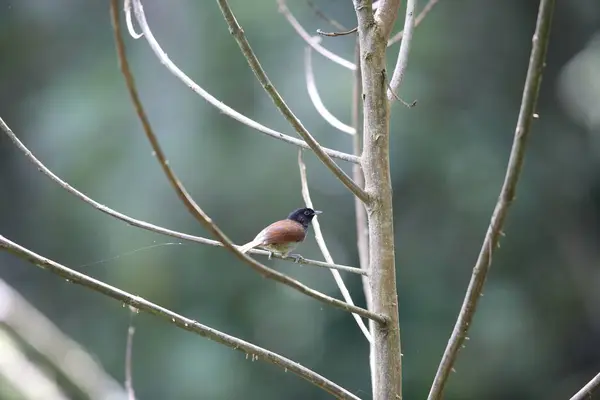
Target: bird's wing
284,231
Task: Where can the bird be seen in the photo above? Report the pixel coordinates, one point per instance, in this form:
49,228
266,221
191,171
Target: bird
281,237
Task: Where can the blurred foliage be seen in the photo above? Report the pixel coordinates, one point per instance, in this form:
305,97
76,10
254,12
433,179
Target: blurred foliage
536,334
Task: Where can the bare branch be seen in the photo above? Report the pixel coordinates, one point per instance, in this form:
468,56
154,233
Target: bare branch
324,17
130,28
65,355
323,246
176,319
531,89
193,207
146,225
385,356
265,271
313,93
129,355
428,7
334,34
586,391
312,41
230,112
386,14
402,61
236,31
362,227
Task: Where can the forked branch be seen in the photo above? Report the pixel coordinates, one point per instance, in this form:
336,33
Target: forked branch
531,89
230,112
312,41
239,36
176,319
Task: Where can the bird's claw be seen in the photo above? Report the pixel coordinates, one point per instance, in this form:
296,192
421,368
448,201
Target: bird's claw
297,257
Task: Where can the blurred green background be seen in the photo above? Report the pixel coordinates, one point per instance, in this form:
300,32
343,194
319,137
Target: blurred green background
537,332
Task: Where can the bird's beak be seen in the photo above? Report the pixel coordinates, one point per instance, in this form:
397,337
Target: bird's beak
318,212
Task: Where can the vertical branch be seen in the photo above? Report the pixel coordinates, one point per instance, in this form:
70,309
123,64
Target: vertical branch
129,355
531,88
362,228
386,361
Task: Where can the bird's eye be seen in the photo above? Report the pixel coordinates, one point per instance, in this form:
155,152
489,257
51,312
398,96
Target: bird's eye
307,212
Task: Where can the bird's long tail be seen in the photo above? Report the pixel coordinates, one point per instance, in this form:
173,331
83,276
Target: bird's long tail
250,245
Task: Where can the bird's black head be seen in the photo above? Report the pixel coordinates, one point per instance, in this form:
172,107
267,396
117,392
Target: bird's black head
303,215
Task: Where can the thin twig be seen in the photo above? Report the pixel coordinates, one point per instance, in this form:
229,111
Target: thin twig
236,31
146,225
404,103
335,34
428,7
176,319
230,112
323,246
324,17
402,61
312,41
129,355
531,89
313,93
586,391
194,208
128,21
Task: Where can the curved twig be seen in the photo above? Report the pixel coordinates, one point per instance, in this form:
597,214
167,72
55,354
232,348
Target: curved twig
176,319
236,31
230,112
507,194
402,61
324,250
313,93
312,41
129,22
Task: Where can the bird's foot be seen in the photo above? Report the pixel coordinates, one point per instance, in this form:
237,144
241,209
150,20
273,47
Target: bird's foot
297,257
270,255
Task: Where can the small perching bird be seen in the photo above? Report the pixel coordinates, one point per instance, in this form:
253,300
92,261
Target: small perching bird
283,236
